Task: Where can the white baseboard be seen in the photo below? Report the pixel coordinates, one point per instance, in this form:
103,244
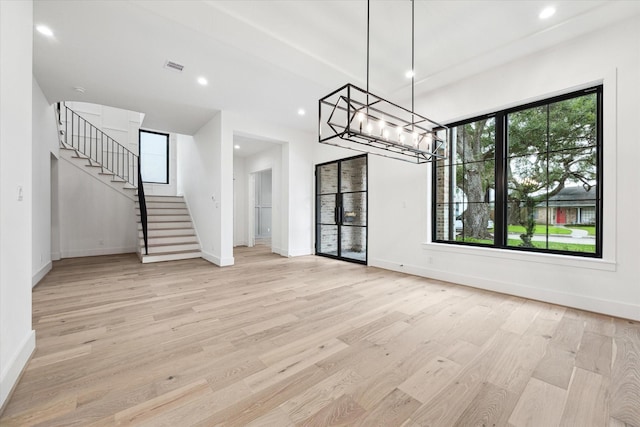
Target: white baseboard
15,365
596,305
40,274
220,262
300,252
96,252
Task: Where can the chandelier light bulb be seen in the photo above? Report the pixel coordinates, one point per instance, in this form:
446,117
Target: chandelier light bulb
369,128
360,120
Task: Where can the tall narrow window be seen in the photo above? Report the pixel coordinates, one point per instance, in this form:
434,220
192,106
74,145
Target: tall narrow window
527,178
154,157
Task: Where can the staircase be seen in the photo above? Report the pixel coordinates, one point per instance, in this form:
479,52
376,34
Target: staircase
170,232
165,230
83,144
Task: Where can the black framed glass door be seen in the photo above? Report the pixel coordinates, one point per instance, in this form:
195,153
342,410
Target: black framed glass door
341,209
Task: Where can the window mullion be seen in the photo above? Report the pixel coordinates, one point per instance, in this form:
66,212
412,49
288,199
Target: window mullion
500,211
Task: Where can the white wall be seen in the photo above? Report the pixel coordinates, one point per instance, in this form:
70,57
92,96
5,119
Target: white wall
240,183
400,235
95,219
45,143
203,180
17,339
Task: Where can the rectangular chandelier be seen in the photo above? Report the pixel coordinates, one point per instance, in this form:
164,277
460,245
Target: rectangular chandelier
353,118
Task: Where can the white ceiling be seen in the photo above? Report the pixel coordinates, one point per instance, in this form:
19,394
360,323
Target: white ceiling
244,146
273,57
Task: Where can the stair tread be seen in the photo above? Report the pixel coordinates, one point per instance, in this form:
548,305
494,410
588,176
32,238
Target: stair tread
190,251
159,245
190,226
165,214
169,257
164,236
152,244
167,229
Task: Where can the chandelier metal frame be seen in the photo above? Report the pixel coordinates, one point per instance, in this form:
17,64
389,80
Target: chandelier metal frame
354,118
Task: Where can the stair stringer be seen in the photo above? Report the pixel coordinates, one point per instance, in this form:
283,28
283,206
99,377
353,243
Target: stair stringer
71,156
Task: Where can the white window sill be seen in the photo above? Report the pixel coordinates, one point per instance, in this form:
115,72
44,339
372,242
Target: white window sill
505,254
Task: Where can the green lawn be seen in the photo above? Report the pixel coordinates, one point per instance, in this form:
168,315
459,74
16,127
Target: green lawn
540,229
572,247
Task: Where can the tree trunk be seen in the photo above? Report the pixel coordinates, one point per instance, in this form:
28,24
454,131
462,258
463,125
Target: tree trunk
476,217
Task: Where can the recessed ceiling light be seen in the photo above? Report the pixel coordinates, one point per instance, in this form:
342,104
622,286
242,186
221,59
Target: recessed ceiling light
409,74
202,81
237,147
44,30
301,112
547,12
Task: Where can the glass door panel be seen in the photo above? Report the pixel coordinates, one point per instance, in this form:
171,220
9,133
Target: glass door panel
353,243
327,176
354,209
327,206
353,175
329,240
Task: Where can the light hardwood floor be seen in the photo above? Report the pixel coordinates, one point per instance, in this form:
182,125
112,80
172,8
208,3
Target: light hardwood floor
312,341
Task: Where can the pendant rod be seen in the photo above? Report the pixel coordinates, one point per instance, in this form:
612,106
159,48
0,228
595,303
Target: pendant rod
413,65
368,57
413,55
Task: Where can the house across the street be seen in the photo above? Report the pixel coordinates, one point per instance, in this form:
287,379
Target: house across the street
572,205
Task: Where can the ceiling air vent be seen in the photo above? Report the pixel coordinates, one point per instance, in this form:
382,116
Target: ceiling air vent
173,66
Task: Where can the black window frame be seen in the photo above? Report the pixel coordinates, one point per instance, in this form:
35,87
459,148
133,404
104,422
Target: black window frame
166,135
501,180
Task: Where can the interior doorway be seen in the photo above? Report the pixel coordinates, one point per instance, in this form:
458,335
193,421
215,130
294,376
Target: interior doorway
262,207
258,205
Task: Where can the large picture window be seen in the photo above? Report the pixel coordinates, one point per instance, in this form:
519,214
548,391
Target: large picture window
154,157
526,178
